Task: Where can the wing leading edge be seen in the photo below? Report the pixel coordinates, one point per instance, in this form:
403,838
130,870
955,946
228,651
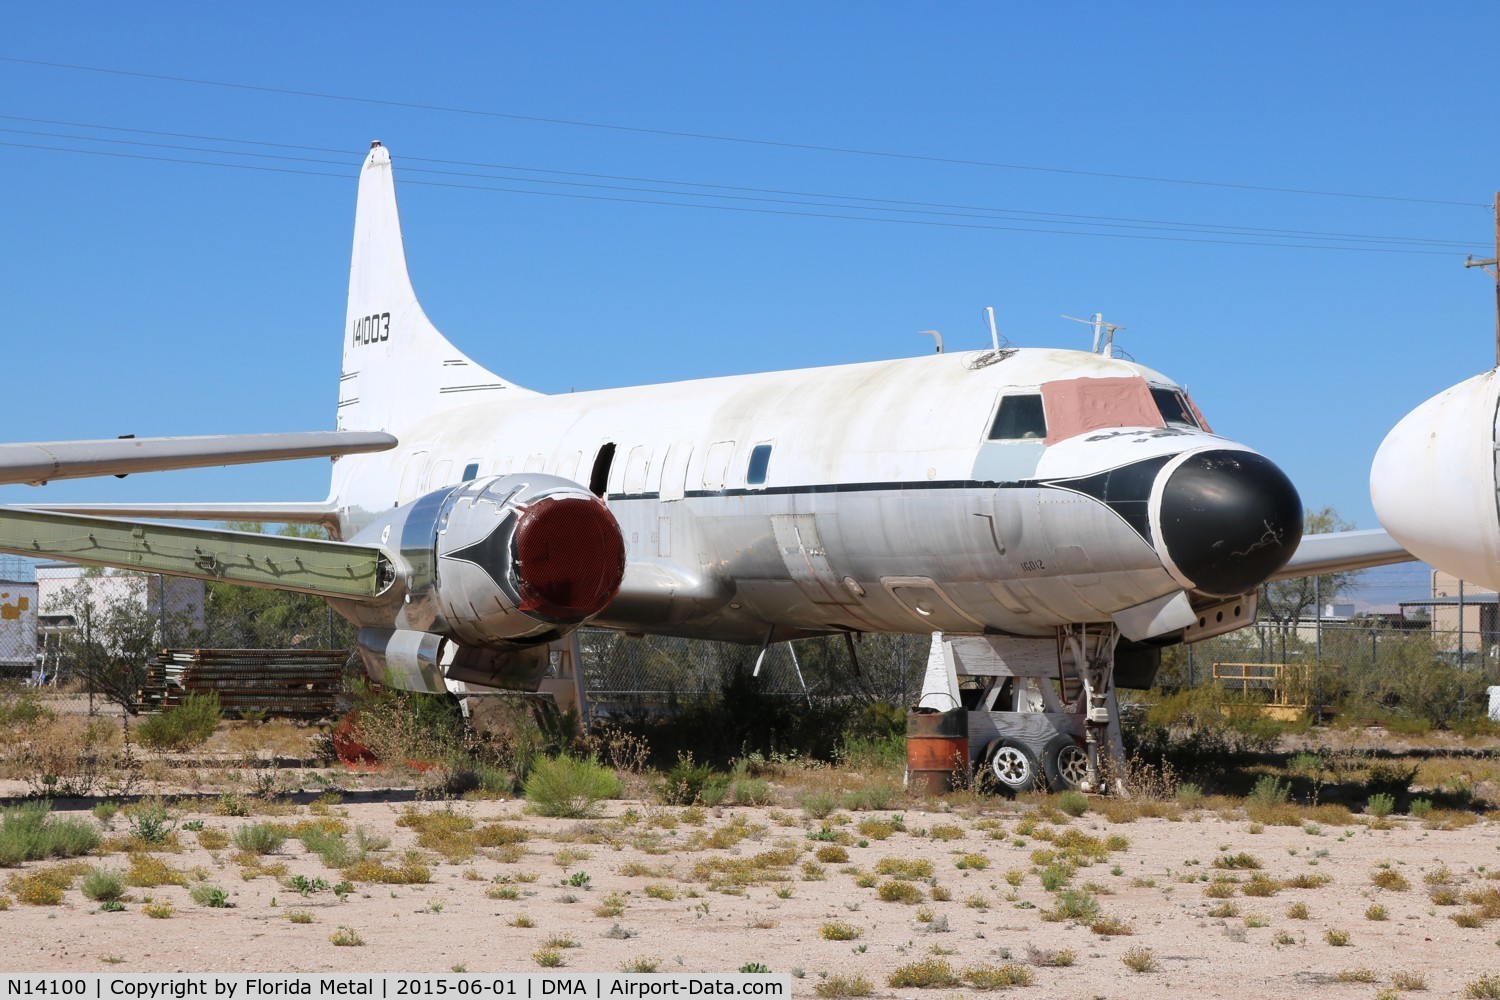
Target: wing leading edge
39,462
1336,551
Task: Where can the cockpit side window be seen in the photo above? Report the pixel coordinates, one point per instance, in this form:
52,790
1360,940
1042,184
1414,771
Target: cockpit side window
1174,407
1020,418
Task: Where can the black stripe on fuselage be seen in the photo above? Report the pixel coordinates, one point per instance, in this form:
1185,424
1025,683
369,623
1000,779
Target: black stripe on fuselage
921,485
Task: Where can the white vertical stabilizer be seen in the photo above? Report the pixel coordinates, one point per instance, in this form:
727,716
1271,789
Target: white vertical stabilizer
397,366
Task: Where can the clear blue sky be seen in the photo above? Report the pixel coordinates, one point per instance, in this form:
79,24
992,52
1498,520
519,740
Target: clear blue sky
154,297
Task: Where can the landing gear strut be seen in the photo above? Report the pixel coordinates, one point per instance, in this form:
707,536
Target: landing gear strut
1093,653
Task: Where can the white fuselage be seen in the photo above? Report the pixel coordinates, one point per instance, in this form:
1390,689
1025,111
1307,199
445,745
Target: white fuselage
884,504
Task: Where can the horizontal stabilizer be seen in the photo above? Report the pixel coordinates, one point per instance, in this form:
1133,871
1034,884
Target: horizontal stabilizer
309,566
1338,551
40,462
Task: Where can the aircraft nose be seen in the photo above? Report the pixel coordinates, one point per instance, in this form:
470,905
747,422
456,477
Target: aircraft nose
1227,520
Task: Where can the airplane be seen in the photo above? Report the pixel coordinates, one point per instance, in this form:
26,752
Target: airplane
1433,482
1052,504
40,462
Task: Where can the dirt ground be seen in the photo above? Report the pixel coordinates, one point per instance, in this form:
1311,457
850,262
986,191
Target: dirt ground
637,887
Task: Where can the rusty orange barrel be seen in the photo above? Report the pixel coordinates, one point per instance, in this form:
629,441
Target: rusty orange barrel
937,746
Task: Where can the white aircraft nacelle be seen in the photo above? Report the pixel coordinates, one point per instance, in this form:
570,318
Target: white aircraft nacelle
1433,481
503,562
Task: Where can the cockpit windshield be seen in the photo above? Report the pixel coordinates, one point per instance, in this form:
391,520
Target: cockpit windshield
1174,408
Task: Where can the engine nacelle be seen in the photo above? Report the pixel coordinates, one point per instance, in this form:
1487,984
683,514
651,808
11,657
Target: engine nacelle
502,562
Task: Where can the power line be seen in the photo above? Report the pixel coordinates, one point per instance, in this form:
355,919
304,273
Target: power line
731,208
1029,214
876,204
711,137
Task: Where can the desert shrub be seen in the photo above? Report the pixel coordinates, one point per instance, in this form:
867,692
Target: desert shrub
209,895
101,885
568,787
183,727
750,792
1073,803
930,973
22,709
30,832
260,838
401,729
689,783
71,756
1381,805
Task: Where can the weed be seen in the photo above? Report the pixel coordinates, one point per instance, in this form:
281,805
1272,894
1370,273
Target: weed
187,725
977,862
899,892
1389,878
147,872
1297,911
158,911
930,973
299,916
840,987
567,787
30,832
260,838
839,932
641,964
1484,988
1409,981
1140,960
209,895
658,891
1234,861
102,886
1336,937
1376,912
612,906
1224,910
910,869
346,937
522,920
832,854
1073,904
1357,976
1380,805
1073,803
990,977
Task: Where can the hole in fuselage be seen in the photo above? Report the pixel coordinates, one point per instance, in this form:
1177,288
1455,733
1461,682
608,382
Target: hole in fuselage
599,479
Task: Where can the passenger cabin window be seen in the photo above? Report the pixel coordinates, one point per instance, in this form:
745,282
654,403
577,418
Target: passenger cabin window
471,471
1174,408
1020,418
637,469
760,460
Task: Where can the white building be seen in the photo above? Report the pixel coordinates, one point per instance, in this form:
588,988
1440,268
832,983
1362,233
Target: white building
175,602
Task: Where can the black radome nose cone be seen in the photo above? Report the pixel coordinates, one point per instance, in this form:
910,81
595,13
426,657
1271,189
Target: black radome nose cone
1229,519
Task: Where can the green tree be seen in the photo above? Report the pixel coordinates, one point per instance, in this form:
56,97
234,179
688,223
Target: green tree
237,617
115,632
1284,602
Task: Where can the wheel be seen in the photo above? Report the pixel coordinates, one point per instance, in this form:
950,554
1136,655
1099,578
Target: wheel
1065,764
1011,765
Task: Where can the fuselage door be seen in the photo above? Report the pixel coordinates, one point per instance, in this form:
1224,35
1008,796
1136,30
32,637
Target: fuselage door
806,559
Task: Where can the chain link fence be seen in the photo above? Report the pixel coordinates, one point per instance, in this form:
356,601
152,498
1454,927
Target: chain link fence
620,669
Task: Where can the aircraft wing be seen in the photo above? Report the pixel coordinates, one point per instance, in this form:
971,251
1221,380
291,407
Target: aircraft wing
310,566
40,462
1336,551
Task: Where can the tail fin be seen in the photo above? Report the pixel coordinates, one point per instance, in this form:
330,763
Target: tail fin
397,367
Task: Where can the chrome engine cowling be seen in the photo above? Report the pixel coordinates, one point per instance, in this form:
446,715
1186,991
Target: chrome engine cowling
502,562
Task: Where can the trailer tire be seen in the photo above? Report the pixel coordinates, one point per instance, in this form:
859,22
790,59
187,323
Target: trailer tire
1011,765
1065,764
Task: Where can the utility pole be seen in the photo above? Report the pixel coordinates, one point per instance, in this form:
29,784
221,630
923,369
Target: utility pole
1492,268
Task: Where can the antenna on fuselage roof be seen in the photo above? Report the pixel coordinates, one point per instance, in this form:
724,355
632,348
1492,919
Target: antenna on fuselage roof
935,336
1100,327
989,314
